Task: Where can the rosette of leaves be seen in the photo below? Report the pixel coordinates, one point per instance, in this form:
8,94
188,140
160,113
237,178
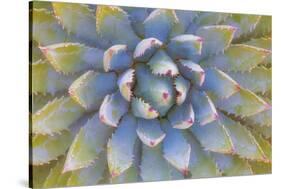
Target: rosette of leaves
125,94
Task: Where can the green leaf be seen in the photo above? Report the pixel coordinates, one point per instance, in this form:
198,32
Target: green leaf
90,175
176,150
258,80
157,91
146,48
238,57
120,147
263,119
264,144
87,145
159,24
213,137
77,19
200,164
222,34
46,80
113,107
42,5
126,83
113,25
192,71
38,101
117,58
128,176
182,87
266,132
150,132
56,116
264,26
219,83
162,65
204,109
46,147
39,174
89,89
45,28
243,103
261,168
231,165
184,46
142,109
245,145
73,57
181,117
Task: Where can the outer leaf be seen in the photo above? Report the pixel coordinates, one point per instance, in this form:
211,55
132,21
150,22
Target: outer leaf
45,29
175,148
143,110
222,34
89,89
113,107
113,25
244,103
73,57
238,58
146,48
38,101
125,83
261,168
56,116
46,148
149,132
262,119
264,144
182,87
120,147
184,46
192,71
204,108
161,64
46,80
157,91
39,174
160,23
213,137
264,26
117,58
181,117
87,145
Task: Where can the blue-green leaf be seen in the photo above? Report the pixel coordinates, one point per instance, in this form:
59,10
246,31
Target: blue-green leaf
146,48
125,83
142,109
192,71
182,87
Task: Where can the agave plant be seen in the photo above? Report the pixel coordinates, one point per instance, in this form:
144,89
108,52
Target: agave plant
125,94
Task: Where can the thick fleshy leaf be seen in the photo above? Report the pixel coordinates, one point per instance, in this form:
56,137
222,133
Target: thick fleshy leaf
125,83
45,28
181,117
215,38
77,19
150,132
90,175
262,119
264,144
73,57
39,174
182,87
244,23
46,80
176,150
213,137
157,91
245,145
200,164
258,80
231,165
238,57
113,107
142,109
46,147
113,25
192,71
219,83
162,65
39,101
146,48
117,58
87,145
205,111
264,26
89,89
120,148
36,52
266,132
184,46
243,103
42,5
56,116
160,23
261,168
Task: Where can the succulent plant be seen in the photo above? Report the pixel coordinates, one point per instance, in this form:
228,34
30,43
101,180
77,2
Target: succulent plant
123,94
